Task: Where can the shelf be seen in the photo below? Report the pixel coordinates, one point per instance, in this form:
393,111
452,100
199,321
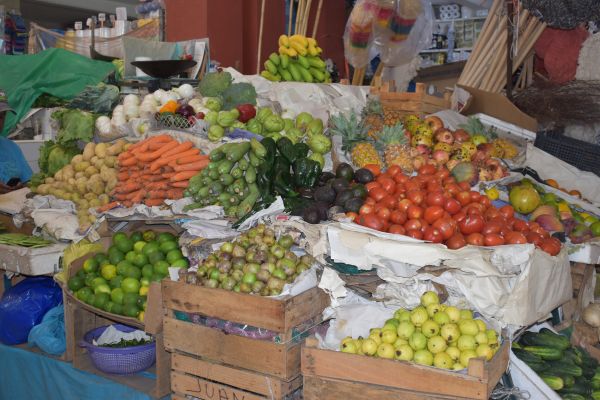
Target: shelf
442,21
445,50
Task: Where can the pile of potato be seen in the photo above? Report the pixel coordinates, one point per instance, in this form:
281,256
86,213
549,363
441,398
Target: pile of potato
87,180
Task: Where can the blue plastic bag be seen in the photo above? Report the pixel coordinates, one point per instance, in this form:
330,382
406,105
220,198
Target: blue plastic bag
24,305
49,335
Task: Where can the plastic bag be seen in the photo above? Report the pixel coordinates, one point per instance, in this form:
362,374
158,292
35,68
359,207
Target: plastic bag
24,305
395,29
49,335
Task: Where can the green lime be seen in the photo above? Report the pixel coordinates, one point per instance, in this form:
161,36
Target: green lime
595,227
133,272
115,255
130,285
76,283
80,273
108,306
181,263
83,293
174,255
149,236
101,299
147,271
91,299
90,265
156,256
104,262
130,256
108,272
156,277
124,245
100,256
89,278
145,281
150,247
136,236
102,288
117,237
117,309
139,246
131,311
140,260
167,246
161,267
116,295
141,301
98,281
116,281
165,236
130,298
123,266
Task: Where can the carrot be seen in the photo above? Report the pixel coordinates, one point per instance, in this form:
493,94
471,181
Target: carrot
128,162
128,187
131,195
108,206
124,155
154,202
167,169
127,203
182,176
166,147
138,197
180,184
155,146
191,159
168,174
175,194
162,138
166,160
157,194
152,177
120,196
179,149
195,166
123,176
157,185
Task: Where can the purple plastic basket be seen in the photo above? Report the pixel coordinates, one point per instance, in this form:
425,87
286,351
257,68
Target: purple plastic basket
120,361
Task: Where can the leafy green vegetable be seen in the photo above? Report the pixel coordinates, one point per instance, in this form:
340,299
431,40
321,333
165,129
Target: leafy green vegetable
54,156
74,125
238,94
214,83
126,343
48,101
100,99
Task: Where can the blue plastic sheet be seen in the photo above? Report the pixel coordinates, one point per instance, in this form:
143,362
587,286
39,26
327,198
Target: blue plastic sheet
49,335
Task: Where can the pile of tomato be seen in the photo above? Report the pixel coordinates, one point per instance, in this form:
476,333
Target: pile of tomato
432,206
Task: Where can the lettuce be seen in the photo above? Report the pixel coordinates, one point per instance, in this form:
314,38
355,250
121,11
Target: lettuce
74,125
54,156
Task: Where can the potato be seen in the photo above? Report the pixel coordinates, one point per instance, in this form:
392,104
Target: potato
111,184
72,181
79,175
59,175
88,151
104,199
68,172
43,188
89,196
114,149
95,203
77,159
100,150
92,218
127,146
83,204
49,180
81,166
68,188
91,170
110,161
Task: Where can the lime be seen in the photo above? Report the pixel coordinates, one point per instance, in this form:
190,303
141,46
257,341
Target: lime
91,299
156,256
124,245
104,262
150,247
595,227
89,278
117,295
147,271
161,267
116,281
115,255
136,236
149,236
117,309
117,237
100,256
100,300
130,298
143,291
98,281
90,265
133,272
145,281
131,311
108,307
130,256
141,302
140,260
108,272
174,255
123,266
80,273
181,263
76,283
165,236
167,246
139,246
130,285
83,293
157,277
102,288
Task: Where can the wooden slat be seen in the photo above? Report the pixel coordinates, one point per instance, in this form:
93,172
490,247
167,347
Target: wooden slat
207,390
266,357
304,307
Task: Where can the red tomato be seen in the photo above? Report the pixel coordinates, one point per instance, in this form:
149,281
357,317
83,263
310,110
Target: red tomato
515,237
475,208
463,198
452,188
442,173
520,226
394,170
384,213
491,213
400,188
535,227
389,202
370,201
397,229
475,196
401,178
465,186
413,224
366,209
352,215
416,196
398,217
414,212
432,234
372,185
507,211
404,204
433,213
491,227
378,194
388,184
493,239
459,216
424,225
386,226
476,239
427,169
534,238
433,186
446,226
450,181
374,168
471,224
414,233
456,241
452,206
412,185
371,221
485,201
435,199
551,246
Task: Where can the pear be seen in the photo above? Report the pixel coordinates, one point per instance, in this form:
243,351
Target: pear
453,352
466,355
483,350
430,328
466,342
423,357
405,329
429,297
390,336
453,313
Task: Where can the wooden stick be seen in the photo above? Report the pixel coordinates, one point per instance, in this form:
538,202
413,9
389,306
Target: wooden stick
306,17
377,74
298,15
260,36
317,18
359,76
477,58
289,29
486,56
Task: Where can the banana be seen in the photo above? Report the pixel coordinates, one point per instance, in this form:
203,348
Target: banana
298,47
303,61
285,60
274,58
287,51
319,50
271,67
316,62
285,74
306,76
311,42
318,74
312,51
292,52
284,41
270,76
294,70
300,39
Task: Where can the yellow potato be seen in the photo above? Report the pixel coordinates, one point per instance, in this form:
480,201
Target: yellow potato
77,159
114,149
91,170
80,167
95,203
89,151
89,196
79,175
43,188
100,150
49,180
104,199
110,161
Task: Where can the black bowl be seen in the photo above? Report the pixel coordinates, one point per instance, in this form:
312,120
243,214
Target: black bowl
164,68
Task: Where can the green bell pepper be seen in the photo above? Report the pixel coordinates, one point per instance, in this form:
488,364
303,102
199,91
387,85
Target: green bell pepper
306,172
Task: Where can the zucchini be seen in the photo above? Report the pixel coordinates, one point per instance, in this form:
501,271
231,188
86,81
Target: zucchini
226,179
243,164
579,389
555,382
565,367
545,337
572,396
236,153
214,174
216,155
568,380
225,167
254,160
237,172
250,175
546,353
570,355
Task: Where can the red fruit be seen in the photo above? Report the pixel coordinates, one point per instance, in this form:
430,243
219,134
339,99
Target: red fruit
384,213
247,112
463,198
352,215
507,211
413,224
414,212
366,209
460,135
416,196
534,238
371,221
397,229
476,239
514,237
394,170
398,217
551,246
432,234
433,213
471,224
475,196
493,239
427,169
414,233
404,204
447,226
520,226
452,206
435,199
456,241
491,227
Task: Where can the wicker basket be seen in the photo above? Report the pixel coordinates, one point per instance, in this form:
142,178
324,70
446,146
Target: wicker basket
404,103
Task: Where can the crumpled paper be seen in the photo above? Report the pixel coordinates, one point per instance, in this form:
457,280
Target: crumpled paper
61,224
113,335
333,285
13,202
276,208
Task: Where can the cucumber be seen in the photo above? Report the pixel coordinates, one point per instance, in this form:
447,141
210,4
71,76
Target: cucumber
234,200
546,338
215,188
258,148
250,175
214,164
203,192
565,367
214,175
577,388
224,198
568,380
574,396
546,353
570,355
247,204
193,206
225,167
555,382
236,153
596,395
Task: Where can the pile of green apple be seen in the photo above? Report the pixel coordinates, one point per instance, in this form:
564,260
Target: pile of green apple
431,334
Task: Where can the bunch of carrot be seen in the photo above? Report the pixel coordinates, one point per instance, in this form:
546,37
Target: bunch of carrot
157,169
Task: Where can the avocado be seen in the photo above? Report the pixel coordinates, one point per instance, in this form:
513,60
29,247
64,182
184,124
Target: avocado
363,175
353,205
322,207
342,197
339,184
307,193
311,215
345,171
325,194
358,190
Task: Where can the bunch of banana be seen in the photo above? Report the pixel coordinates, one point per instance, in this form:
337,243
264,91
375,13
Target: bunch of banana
298,60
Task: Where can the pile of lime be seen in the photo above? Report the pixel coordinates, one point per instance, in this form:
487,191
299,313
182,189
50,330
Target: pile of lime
118,281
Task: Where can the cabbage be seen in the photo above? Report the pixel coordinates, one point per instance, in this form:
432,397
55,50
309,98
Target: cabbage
54,156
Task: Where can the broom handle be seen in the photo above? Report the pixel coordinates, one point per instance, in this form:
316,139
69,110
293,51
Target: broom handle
260,35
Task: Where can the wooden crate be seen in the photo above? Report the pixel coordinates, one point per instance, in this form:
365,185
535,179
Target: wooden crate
583,291
336,375
403,103
80,320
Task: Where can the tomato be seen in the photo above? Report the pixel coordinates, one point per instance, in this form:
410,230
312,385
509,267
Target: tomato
384,213
435,199
372,185
432,234
452,188
427,169
394,170
433,213
475,196
416,196
456,241
388,184
404,204
371,221
386,226
389,202
446,226
534,238
507,211
398,217
433,186
485,201
551,246
401,178
515,237
471,224
535,227
450,181
520,226
397,229
374,168
414,233
491,213
459,216
493,239
370,201
414,212
424,225
366,209
491,227
442,173
463,198
476,239
465,186
378,194
412,185
413,224
474,208
452,206
400,188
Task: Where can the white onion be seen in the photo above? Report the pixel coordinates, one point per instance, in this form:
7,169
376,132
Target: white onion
158,95
131,99
186,91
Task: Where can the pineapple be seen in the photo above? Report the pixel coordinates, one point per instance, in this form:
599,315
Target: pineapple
396,147
391,117
372,115
503,148
355,140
